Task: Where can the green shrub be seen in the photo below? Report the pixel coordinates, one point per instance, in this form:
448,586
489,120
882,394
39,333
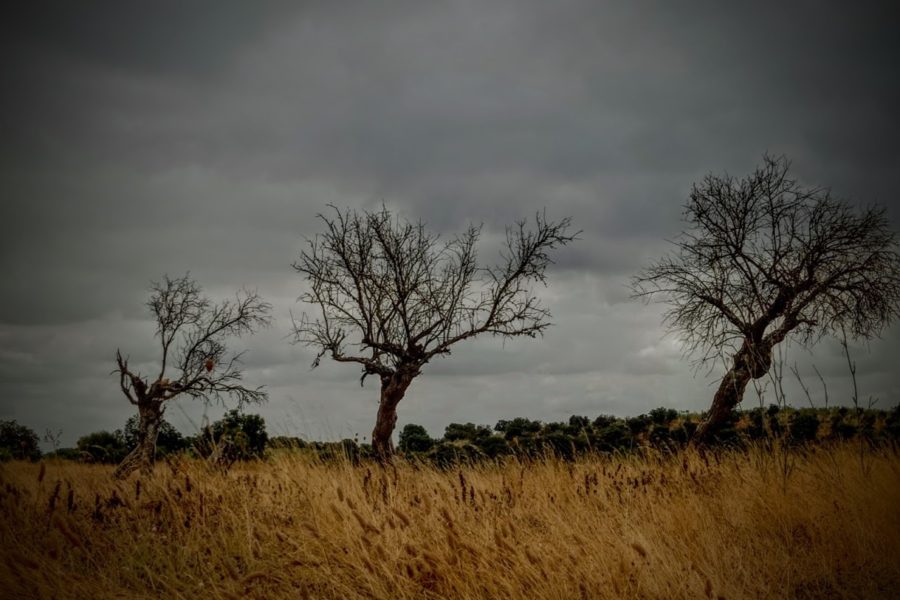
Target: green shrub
469,431
603,421
518,427
663,416
19,441
639,424
616,436
284,442
414,438
102,447
494,446
169,440
803,426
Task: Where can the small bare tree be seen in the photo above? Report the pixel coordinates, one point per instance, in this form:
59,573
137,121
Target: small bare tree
192,331
391,296
764,258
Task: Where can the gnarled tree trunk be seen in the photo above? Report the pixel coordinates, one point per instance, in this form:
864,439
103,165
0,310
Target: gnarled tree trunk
752,361
393,388
144,454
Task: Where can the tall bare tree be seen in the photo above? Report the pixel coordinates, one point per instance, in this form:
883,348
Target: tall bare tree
391,296
764,258
192,331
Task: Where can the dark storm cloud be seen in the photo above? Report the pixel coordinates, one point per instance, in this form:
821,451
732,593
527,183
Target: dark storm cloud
141,139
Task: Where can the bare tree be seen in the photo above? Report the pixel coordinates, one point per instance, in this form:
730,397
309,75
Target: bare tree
765,258
192,331
391,296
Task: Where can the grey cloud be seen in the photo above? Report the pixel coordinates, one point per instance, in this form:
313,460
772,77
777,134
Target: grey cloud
138,140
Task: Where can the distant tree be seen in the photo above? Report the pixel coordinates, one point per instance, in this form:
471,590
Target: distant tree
763,259
892,423
469,431
603,421
391,296
192,332
493,446
661,436
518,427
445,455
663,416
236,436
414,438
639,424
18,441
577,424
559,443
102,447
168,441
803,426
286,442
555,427
757,427
66,454
841,428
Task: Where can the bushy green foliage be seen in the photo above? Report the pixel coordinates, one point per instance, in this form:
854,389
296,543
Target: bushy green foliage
603,421
560,444
284,442
169,440
842,427
662,428
639,424
616,436
18,442
102,447
517,427
663,416
661,437
414,438
237,436
892,424
66,454
757,427
578,424
445,455
803,426
493,446
244,436
728,433
468,431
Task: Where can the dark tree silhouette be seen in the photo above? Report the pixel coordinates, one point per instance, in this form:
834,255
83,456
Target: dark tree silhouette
192,331
414,438
18,442
168,441
392,296
764,258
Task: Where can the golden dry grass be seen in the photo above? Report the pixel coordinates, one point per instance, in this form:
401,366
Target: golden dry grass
651,527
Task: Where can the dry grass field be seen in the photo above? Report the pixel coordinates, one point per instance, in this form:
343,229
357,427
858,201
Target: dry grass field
725,526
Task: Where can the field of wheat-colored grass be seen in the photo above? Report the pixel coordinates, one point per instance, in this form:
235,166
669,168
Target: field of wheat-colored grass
730,525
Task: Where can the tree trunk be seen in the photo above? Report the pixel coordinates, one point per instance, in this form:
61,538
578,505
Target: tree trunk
144,454
752,361
393,388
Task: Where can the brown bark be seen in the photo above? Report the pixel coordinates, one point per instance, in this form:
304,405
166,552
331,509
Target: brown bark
393,388
752,361
144,454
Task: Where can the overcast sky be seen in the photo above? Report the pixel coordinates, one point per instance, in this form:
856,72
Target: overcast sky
143,139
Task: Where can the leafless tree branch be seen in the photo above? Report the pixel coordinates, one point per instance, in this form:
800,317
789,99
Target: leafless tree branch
390,296
192,332
765,258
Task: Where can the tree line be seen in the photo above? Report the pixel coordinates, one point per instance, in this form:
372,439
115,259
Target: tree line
236,436
242,437
761,259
